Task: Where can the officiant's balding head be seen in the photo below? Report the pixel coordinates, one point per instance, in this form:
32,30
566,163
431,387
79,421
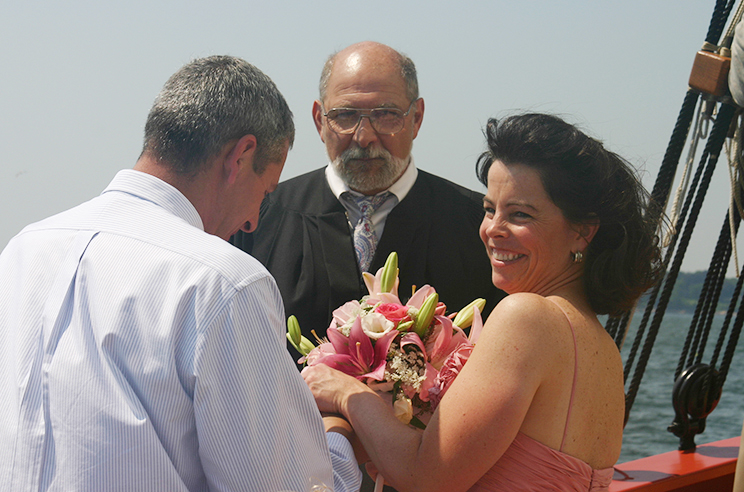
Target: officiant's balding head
368,114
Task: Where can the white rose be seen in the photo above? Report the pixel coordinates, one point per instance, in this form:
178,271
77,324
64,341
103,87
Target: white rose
403,409
375,325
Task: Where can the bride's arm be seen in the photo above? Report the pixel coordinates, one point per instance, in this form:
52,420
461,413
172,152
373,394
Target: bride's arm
477,419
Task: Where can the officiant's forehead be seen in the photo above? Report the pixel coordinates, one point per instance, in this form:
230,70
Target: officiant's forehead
367,77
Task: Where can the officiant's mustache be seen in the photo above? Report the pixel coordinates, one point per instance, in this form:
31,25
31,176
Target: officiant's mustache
363,177
371,152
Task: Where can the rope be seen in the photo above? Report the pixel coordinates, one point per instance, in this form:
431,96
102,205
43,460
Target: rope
697,389
729,314
665,283
702,176
735,332
698,332
690,416
635,383
700,131
727,39
618,326
660,194
718,21
665,177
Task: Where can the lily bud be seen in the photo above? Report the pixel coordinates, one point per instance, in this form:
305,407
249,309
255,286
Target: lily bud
306,346
405,325
464,317
293,330
426,314
389,273
294,335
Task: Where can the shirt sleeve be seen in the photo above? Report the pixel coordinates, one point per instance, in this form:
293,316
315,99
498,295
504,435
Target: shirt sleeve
346,473
257,423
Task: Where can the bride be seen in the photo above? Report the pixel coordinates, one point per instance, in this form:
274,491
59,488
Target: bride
540,403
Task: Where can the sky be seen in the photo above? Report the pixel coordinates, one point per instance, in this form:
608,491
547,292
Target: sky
79,77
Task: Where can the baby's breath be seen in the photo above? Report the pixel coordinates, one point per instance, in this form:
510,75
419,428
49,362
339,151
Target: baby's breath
346,329
406,366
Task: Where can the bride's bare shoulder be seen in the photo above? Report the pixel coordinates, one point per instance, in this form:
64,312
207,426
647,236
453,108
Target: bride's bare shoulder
525,306
524,315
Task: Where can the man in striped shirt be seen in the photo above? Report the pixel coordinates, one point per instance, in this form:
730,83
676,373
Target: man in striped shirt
141,351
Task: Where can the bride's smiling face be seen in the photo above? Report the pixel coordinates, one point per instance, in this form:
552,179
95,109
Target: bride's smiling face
527,238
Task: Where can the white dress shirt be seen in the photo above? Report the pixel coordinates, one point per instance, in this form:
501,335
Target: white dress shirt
139,353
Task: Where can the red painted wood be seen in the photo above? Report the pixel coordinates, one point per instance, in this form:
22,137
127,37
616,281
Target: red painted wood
709,468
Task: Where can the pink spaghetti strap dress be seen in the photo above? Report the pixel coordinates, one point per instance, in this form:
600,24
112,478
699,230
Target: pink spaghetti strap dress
529,465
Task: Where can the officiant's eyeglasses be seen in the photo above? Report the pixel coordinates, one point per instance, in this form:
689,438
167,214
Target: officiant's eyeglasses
385,121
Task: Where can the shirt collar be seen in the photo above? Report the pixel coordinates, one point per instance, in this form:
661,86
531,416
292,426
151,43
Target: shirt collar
400,188
157,191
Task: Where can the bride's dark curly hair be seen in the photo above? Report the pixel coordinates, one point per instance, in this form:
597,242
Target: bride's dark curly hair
588,183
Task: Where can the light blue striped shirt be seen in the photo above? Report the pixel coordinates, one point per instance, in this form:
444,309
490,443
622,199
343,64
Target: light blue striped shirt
139,353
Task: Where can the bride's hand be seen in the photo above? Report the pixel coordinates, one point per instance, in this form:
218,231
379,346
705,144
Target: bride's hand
331,388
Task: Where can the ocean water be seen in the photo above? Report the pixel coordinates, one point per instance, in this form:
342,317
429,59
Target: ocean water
646,431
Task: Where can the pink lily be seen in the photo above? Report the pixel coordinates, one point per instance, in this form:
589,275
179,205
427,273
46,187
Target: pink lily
317,354
418,297
355,355
452,365
374,282
411,338
445,339
382,297
477,327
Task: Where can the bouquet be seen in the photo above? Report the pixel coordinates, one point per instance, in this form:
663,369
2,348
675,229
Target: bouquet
410,352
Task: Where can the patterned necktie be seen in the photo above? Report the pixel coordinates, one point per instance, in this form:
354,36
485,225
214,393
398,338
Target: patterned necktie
365,239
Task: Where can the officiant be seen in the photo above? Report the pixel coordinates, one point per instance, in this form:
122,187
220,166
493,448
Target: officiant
319,231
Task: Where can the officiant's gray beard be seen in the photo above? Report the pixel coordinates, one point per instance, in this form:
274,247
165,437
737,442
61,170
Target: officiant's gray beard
360,177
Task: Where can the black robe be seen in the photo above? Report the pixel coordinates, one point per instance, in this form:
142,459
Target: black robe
303,238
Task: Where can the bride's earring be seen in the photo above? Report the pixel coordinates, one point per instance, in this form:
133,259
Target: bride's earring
577,257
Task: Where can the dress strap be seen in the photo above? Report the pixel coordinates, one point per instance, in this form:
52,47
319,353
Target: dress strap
576,372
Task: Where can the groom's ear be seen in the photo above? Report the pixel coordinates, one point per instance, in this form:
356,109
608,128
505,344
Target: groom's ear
240,158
